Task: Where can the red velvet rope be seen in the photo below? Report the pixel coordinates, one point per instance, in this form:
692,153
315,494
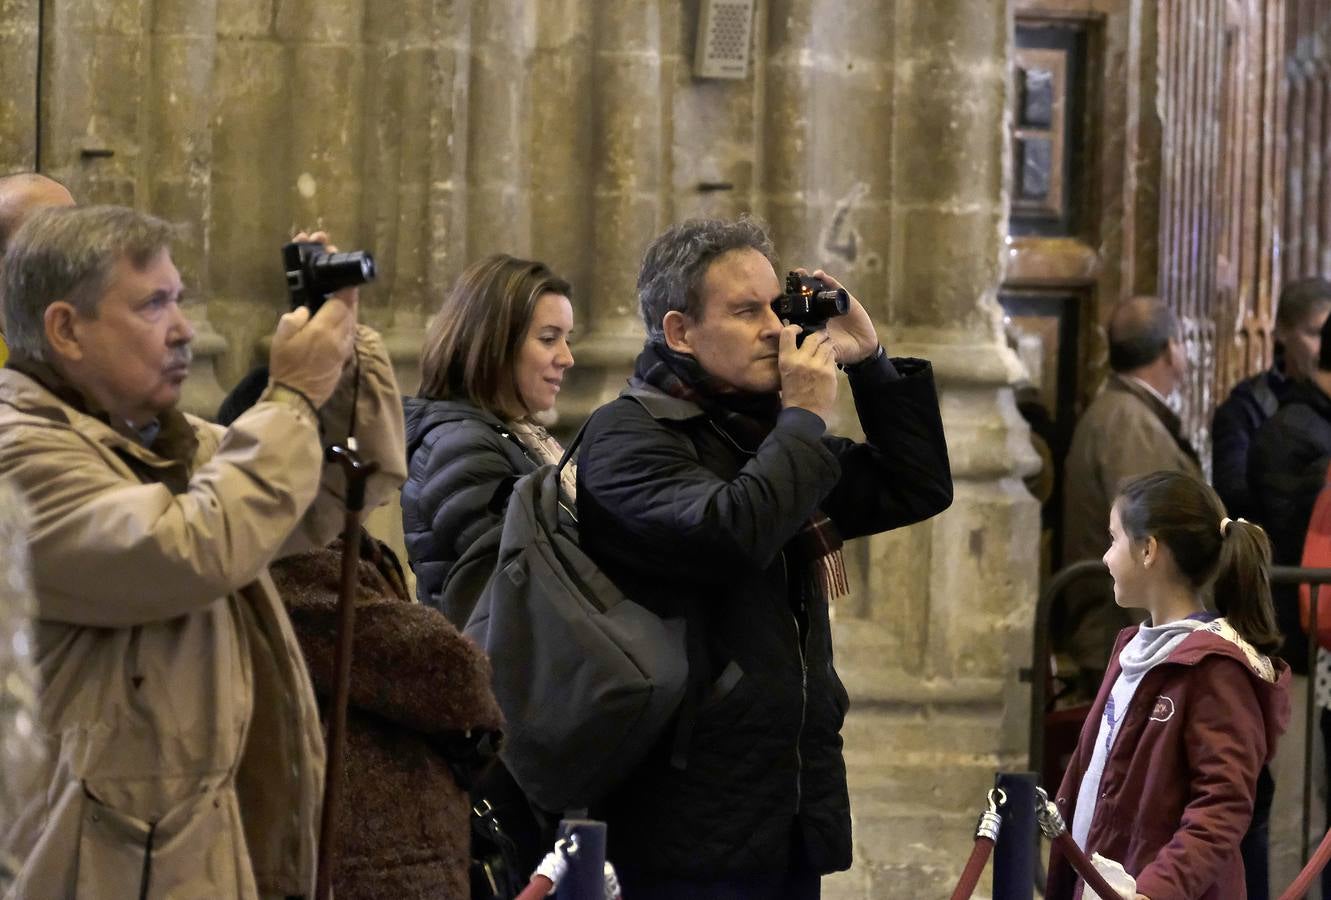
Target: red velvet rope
1084,867
970,876
1299,888
540,886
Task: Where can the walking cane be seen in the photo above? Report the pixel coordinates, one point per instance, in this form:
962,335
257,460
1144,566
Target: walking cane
357,473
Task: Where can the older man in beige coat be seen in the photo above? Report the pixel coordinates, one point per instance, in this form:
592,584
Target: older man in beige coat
1127,430
184,756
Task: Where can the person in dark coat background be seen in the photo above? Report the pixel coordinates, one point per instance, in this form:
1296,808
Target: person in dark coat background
420,703
1302,310
1287,468
710,490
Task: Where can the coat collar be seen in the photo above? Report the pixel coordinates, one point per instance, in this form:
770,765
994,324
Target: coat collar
1168,418
660,405
28,396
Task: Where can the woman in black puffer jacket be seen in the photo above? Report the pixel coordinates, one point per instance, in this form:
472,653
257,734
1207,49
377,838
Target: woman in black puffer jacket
494,358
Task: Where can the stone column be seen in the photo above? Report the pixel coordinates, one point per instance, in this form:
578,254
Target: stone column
628,199
498,153
827,138
19,41
561,135
91,134
250,189
931,646
416,76
714,127
325,78
179,170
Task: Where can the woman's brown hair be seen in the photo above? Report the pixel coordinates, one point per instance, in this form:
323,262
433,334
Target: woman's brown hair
1187,516
471,345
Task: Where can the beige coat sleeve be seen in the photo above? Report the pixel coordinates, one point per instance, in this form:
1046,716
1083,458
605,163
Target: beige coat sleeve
380,436
111,552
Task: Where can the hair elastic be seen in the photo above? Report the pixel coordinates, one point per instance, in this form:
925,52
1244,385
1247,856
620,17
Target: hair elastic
1226,522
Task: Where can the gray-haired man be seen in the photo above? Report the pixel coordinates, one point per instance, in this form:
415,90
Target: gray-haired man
184,750
710,491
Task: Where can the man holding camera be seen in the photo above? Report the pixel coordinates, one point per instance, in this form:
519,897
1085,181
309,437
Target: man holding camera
183,743
710,491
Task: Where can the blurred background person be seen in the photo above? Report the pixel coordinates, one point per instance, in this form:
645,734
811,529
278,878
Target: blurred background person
1128,430
22,194
1302,311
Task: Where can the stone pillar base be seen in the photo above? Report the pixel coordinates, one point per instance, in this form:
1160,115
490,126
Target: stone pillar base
931,641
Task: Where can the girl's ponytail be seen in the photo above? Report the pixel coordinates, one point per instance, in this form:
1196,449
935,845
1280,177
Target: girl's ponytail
1242,585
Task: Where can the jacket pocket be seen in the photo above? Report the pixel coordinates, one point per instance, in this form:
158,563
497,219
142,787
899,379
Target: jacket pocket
190,852
723,686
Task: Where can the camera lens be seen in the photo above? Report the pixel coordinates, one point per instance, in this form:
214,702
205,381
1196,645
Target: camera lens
334,271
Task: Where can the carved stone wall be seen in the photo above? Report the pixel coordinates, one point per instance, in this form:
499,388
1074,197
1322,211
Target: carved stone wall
870,134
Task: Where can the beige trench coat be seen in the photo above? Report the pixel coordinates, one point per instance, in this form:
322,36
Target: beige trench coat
175,706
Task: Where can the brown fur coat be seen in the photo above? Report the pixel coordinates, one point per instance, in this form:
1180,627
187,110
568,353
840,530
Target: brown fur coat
415,681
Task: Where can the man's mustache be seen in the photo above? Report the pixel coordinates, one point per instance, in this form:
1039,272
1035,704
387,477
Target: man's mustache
180,356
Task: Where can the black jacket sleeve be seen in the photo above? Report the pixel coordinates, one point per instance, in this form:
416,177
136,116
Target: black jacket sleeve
900,474
447,502
651,483
1286,471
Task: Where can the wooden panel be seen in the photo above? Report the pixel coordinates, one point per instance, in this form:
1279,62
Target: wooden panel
1221,108
1307,220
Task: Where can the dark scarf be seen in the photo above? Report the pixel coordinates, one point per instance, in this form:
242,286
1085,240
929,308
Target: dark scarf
747,419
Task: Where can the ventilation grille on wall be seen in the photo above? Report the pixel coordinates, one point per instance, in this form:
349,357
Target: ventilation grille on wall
724,29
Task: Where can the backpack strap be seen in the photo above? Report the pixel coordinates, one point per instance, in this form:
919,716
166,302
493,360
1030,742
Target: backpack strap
573,445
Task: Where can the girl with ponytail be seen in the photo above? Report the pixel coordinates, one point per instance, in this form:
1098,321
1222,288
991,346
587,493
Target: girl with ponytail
1164,773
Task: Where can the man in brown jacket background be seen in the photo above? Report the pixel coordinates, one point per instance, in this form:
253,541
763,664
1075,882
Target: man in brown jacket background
183,749
1127,430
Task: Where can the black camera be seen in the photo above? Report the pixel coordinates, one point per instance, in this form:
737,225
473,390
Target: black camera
313,273
809,302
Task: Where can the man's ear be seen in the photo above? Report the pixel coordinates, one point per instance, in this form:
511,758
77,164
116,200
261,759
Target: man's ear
60,322
676,327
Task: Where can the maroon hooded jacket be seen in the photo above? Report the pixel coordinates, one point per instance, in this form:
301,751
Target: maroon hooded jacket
1177,791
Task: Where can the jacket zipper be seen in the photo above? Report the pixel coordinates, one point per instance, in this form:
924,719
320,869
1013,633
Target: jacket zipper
799,647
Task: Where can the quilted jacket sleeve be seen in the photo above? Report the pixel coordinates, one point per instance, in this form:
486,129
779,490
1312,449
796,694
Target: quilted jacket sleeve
900,474
447,503
649,480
